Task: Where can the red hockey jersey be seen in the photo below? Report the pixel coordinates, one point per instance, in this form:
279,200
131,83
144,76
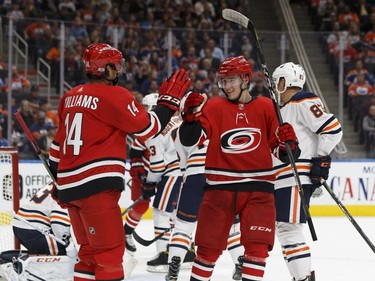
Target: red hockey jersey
90,144
242,137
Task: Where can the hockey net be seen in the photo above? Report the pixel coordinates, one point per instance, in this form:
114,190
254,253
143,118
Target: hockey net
9,196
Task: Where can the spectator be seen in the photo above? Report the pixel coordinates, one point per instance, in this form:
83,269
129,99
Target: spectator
368,125
347,16
352,75
33,97
3,140
37,35
215,51
359,93
45,141
259,89
37,127
51,116
19,83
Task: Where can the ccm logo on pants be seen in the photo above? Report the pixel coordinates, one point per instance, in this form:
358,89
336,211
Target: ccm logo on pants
260,228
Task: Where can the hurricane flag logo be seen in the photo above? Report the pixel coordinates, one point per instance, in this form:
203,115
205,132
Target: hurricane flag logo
240,140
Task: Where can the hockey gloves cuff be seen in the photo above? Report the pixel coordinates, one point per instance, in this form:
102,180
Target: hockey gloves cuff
172,90
285,134
137,170
320,169
148,189
191,106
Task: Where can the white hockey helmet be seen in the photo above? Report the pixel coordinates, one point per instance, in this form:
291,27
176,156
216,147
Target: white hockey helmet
150,100
293,74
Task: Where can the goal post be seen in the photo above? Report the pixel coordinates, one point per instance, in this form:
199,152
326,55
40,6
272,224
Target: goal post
9,196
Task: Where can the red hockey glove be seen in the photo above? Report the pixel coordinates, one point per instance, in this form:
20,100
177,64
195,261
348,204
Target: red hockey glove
320,169
148,189
172,89
191,106
137,170
285,134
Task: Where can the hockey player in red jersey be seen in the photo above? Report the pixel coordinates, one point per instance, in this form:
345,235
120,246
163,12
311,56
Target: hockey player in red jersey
243,131
319,132
88,155
139,159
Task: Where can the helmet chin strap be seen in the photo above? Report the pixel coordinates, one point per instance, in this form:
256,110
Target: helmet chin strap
238,97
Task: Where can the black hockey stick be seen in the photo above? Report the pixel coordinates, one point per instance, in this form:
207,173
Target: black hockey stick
145,242
348,215
132,205
236,17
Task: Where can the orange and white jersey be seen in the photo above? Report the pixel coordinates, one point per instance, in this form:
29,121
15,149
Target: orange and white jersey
192,158
318,132
43,212
163,160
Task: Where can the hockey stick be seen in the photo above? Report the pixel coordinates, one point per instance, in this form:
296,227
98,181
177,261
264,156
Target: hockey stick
236,17
348,215
145,242
33,142
132,205
43,231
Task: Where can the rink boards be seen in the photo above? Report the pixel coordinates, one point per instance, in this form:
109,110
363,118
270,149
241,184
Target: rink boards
353,182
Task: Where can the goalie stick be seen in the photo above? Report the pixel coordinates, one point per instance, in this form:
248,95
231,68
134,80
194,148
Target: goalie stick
237,17
348,215
145,242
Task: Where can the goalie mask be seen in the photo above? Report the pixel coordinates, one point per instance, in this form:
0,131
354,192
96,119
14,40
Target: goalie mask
98,55
293,74
150,101
234,70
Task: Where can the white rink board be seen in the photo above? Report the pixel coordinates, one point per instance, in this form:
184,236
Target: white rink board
352,182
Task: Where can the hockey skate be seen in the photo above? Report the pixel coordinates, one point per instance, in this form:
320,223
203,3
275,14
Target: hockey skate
189,258
174,269
308,278
129,244
159,263
237,272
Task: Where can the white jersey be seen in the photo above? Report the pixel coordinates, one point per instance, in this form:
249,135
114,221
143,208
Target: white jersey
192,158
163,160
317,132
43,212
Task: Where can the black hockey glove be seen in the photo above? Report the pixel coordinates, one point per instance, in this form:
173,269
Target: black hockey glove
172,90
148,189
320,169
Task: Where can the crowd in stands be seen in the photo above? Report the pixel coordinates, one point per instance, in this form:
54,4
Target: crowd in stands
141,35
354,23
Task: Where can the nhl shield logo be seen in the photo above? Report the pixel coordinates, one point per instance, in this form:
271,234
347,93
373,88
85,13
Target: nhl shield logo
241,106
92,230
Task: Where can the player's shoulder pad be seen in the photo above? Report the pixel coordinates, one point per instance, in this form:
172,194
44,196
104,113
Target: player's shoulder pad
302,95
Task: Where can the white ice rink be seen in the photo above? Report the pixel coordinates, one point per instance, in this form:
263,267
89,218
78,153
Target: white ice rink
340,254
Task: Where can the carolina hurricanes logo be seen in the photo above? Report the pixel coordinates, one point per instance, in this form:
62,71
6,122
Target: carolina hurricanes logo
240,140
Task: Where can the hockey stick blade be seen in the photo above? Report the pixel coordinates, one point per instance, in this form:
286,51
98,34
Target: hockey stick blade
237,17
145,242
348,215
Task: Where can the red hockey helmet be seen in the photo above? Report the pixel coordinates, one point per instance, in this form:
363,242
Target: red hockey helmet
97,55
235,66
